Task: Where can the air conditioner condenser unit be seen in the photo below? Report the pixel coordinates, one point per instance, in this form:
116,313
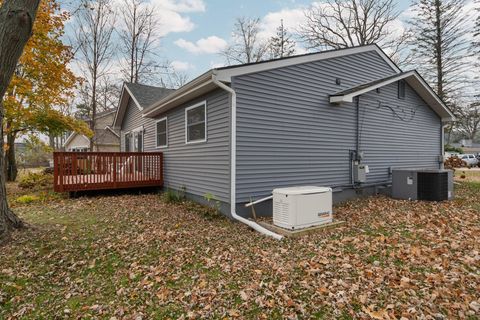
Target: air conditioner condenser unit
302,207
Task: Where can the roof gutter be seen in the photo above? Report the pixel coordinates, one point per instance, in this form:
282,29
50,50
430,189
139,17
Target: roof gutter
233,164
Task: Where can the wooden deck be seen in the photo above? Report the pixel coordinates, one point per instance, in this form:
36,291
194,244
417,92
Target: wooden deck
82,171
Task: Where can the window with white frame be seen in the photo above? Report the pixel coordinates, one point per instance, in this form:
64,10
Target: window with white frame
162,133
196,123
138,144
134,140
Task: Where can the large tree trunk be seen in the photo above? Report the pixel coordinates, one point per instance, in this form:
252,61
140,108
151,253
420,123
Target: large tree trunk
11,161
16,23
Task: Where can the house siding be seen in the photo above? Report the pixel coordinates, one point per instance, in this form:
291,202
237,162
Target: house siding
78,141
392,137
133,120
200,168
288,133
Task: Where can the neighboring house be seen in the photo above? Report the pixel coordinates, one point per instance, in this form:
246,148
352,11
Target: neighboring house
106,139
239,132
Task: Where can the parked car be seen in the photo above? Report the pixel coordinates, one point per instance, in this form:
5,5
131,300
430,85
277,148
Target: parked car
469,159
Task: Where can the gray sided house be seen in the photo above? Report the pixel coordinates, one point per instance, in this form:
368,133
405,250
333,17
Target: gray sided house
239,132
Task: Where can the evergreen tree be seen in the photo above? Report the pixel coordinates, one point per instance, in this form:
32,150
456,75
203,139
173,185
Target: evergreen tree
439,44
282,45
476,32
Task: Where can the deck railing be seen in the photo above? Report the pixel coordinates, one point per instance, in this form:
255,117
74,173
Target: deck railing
81,171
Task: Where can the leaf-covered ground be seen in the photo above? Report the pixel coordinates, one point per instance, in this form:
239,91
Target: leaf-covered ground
137,257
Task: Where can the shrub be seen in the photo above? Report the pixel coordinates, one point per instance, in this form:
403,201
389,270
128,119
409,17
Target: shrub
172,196
33,180
450,148
27,199
213,202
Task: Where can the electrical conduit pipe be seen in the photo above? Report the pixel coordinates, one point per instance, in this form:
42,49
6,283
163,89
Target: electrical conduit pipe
233,165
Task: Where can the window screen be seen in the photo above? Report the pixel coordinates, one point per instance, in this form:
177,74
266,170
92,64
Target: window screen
162,133
196,123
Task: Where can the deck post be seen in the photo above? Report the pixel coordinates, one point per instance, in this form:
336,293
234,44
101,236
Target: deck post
160,169
55,172
115,171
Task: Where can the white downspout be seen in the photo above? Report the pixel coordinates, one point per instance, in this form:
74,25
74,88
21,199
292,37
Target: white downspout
233,165
444,126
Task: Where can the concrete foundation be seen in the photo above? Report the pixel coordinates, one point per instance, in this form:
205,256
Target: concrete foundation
265,209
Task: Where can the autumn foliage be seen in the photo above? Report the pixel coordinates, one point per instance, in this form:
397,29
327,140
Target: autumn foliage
43,85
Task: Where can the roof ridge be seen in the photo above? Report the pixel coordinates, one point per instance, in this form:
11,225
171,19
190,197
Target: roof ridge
146,85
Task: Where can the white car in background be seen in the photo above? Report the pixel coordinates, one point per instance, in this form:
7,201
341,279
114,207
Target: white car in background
469,159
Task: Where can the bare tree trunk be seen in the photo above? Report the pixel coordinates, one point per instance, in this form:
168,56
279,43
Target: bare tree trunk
16,23
438,49
10,160
94,111
51,141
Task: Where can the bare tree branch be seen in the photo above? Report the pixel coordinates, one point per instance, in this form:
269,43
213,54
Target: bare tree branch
138,31
337,24
93,34
247,46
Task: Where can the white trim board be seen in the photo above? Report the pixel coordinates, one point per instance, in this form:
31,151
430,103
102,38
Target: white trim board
124,104
414,80
113,131
226,74
71,136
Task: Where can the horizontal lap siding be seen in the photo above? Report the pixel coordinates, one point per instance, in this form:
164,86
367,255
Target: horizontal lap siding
289,134
201,167
396,139
133,120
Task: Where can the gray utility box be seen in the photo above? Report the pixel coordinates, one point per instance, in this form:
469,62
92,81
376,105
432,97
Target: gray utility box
360,172
422,184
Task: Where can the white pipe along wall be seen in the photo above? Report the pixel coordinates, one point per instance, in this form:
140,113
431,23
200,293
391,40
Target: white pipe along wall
233,166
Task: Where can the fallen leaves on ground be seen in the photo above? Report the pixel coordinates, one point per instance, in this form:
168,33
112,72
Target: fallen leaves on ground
136,257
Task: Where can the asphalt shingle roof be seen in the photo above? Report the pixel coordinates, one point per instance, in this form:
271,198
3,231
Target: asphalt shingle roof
147,95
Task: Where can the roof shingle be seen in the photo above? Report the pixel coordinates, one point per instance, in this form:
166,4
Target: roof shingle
147,95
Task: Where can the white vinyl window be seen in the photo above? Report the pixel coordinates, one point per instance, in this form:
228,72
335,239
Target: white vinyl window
162,133
134,140
196,123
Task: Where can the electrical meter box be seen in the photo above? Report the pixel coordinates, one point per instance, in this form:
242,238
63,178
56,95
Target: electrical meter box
360,172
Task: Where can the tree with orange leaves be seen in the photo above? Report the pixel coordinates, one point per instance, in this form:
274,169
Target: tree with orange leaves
42,85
